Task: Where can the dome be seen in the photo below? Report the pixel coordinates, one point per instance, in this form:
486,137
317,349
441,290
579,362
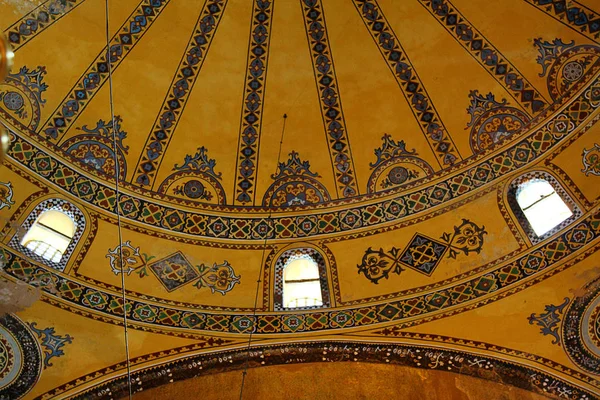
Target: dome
197,148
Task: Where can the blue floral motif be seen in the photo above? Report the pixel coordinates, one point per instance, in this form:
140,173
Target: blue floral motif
549,51
51,342
550,320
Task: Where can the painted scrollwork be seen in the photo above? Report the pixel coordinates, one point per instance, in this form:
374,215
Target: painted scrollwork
218,277
395,166
96,147
295,185
133,259
591,161
21,95
467,237
377,264
195,180
423,254
173,271
549,321
52,342
491,121
6,194
564,64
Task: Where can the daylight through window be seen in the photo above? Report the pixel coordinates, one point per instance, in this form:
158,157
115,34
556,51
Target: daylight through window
542,206
301,283
50,235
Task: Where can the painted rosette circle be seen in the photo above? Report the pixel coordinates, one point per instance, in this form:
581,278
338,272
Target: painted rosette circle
581,330
573,71
13,101
194,189
20,358
398,175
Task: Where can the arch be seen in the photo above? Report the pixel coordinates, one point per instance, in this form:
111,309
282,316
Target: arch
511,372
541,205
301,280
295,191
492,121
52,230
565,65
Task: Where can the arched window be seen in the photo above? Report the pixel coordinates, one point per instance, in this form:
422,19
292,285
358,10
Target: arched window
542,206
301,284
50,235
300,280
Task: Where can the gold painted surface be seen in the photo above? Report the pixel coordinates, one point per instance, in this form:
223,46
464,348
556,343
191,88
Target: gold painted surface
331,381
570,162
516,43
216,100
508,316
373,104
96,344
354,286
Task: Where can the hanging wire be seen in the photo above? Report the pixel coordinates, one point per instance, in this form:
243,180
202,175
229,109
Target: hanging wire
117,194
260,269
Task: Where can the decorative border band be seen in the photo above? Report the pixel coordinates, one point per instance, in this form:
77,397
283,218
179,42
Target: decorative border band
371,216
536,262
415,356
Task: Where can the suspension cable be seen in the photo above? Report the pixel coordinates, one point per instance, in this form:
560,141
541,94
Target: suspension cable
260,271
117,194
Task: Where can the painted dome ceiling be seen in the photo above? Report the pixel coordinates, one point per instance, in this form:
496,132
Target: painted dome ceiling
211,142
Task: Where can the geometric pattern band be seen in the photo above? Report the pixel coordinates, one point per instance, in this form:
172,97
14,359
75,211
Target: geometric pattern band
580,238
203,224
573,14
179,92
89,84
492,368
330,99
252,105
409,82
37,21
486,55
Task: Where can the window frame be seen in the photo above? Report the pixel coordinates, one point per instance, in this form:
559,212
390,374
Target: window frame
283,260
63,206
513,188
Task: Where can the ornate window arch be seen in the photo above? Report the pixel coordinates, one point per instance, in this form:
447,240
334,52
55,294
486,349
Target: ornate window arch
301,280
52,231
541,205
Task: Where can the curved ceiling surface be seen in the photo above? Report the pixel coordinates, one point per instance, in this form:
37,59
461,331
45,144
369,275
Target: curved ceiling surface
385,139
224,75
